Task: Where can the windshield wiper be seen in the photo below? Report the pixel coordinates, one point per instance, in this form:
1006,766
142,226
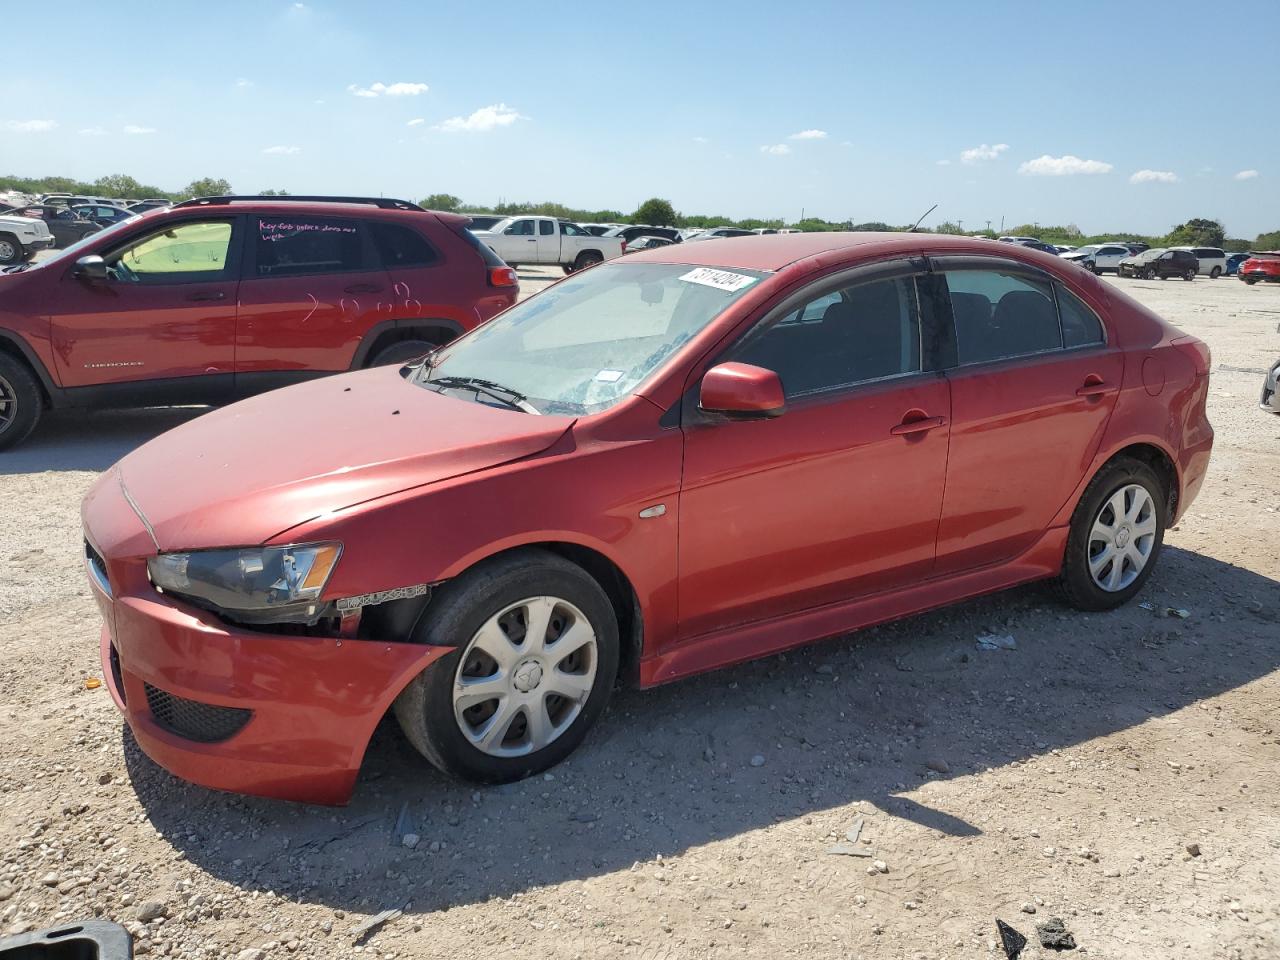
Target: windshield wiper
504,395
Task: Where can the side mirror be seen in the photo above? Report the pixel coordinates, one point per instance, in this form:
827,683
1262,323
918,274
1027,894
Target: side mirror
91,267
740,388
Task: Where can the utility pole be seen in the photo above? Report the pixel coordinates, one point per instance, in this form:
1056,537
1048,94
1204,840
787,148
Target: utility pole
988,226
960,225
1002,223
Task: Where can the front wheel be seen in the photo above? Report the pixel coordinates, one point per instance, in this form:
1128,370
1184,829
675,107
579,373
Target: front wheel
588,258
1116,535
536,656
1188,274
1250,281
20,401
11,250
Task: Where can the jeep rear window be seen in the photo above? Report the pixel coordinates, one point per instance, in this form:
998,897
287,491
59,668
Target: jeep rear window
400,246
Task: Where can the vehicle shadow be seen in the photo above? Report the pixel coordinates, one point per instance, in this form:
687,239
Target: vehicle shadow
84,440
868,717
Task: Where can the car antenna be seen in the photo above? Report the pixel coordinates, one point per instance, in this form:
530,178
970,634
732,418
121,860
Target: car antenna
922,216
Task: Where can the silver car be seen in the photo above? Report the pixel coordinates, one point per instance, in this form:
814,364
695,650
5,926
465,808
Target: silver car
1271,390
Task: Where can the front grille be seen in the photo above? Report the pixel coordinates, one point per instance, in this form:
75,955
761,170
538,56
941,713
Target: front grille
202,722
116,675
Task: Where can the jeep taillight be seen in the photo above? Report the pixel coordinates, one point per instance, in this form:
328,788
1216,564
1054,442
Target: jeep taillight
502,277
1196,350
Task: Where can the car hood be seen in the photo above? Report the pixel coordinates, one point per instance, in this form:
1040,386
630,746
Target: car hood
242,474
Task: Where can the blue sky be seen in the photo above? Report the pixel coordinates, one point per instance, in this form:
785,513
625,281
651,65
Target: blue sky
1101,114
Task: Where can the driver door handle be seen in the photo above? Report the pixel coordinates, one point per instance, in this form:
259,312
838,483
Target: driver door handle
908,427
208,295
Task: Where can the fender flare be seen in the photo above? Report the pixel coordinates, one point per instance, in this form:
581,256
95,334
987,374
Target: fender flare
378,329
55,394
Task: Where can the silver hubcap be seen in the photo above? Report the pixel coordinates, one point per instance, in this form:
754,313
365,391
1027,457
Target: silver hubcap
1122,538
525,676
8,404
7,250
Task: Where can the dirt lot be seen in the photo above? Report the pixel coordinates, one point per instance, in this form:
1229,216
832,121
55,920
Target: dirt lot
1121,771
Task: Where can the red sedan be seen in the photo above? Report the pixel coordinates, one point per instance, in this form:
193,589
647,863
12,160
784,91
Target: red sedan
683,459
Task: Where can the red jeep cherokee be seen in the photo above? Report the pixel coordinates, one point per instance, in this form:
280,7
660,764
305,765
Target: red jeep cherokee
227,296
673,461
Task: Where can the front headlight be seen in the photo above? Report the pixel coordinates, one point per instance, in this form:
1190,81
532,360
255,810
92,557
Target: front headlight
257,585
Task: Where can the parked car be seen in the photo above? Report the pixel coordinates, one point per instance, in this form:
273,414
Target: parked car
648,243
1271,390
1233,263
103,214
635,231
21,237
227,296
761,429
717,233
1098,257
1212,260
66,226
1019,240
545,240
1042,247
600,229
763,231
482,221
1061,248
1135,246
1261,267
1159,263
143,206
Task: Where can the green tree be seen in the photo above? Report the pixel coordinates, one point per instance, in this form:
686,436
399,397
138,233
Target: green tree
445,202
656,212
273,193
206,187
1267,241
118,185
1196,232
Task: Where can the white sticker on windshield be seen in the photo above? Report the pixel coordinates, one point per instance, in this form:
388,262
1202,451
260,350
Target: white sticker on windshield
720,279
609,376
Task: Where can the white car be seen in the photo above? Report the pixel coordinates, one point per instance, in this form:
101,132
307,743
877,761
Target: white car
531,241
1213,261
20,237
1099,257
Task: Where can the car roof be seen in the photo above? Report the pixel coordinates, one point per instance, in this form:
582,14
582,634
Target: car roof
773,251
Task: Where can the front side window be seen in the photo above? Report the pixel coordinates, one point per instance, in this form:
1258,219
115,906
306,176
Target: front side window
999,315
865,332
287,246
582,345
546,227
188,252
521,228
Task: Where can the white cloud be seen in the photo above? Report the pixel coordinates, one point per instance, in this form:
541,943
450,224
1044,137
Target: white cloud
943,163
777,149
983,151
416,122
135,129
31,126
701,140
809,135
319,102
486,118
1064,166
282,150
400,89
301,6
1246,175
93,132
1154,176
243,83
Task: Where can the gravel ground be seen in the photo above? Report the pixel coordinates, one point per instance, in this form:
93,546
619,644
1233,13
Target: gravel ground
1116,771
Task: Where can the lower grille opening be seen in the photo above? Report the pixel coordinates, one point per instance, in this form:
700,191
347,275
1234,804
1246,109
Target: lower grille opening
193,720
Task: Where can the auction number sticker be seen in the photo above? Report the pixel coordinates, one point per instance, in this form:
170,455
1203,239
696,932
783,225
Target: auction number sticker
720,279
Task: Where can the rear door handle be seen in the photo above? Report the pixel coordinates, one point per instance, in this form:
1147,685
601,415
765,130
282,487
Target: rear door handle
908,427
208,295
1093,387
362,288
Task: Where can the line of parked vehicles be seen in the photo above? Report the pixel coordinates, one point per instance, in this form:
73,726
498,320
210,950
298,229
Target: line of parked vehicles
57,220
1133,258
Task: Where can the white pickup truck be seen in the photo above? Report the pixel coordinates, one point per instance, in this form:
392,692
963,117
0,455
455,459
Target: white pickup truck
529,241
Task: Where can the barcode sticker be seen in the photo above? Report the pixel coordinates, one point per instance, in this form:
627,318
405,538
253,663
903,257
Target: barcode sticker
720,279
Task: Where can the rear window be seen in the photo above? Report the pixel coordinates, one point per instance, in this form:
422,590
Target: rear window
401,246
490,258
286,246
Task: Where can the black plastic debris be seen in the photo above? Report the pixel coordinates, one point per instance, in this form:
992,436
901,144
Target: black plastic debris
87,940
1054,935
1010,939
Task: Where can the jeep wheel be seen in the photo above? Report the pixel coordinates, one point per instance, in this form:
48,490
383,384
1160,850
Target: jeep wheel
11,250
20,401
401,352
536,656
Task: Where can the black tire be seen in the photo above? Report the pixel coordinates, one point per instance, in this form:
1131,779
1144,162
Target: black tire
1249,281
1149,274
456,613
587,258
1075,582
1188,274
1215,273
401,352
21,402
568,268
11,250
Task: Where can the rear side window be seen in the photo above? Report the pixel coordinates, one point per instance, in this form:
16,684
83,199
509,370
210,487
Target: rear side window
861,333
573,230
287,246
400,246
1000,315
1080,325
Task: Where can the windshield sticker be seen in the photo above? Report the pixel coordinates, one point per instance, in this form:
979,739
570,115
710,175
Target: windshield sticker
609,376
720,279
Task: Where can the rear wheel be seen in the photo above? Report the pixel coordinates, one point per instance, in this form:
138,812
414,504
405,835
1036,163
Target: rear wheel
401,352
20,401
1215,273
535,660
1116,535
588,258
1188,274
1250,281
11,250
